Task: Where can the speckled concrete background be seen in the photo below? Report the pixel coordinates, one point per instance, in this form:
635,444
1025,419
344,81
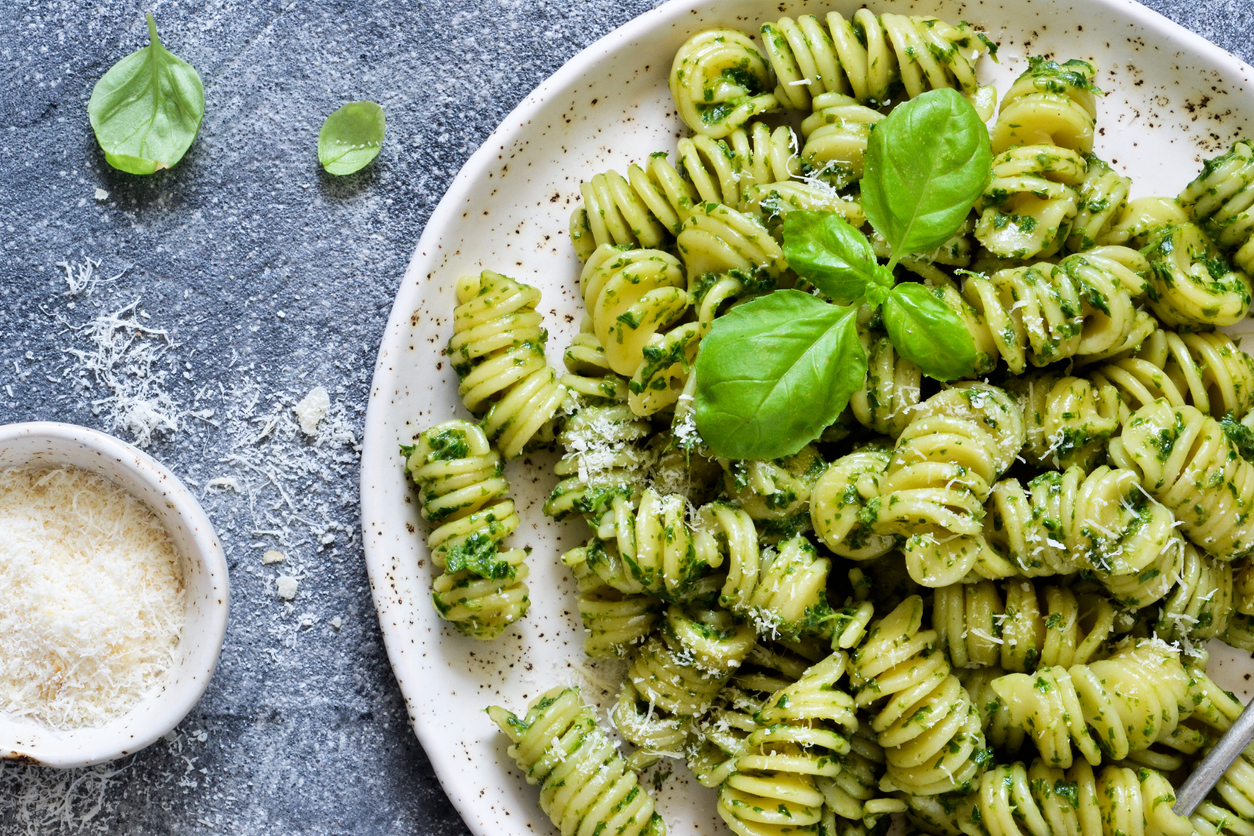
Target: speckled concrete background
266,278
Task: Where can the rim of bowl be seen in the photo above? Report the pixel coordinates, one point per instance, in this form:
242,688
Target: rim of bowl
201,555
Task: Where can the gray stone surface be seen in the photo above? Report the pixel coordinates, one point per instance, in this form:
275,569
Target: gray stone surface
267,277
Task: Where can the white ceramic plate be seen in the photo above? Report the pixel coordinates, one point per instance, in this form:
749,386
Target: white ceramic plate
1172,100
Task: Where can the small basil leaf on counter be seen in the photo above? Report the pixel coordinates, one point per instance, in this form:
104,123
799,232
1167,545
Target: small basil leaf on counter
926,164
825,250
351,137
146,110
774,372
925,330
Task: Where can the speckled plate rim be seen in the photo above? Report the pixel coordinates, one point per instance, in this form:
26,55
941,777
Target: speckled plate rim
394,548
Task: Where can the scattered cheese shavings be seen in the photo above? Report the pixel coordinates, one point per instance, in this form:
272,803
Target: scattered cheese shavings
226,483
273,556
102,194
312,409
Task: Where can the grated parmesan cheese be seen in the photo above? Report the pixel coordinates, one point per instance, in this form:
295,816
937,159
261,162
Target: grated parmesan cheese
312,409
94,599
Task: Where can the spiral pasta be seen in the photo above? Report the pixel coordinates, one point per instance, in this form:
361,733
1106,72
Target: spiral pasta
1101,522
1028,207
923,717
497,350
681,669
614,621
1191,284
606,457
839,498
1186,461
1204,370
1085,306
585,785
1068,419
869,56
1050,104
773,490
944,465
1221,200
1201,604
715,238
800,735
654,540
641,209
464,495
836,136
784,592
892,390
719,80
1103,197
1118,705
1014,799
1017,626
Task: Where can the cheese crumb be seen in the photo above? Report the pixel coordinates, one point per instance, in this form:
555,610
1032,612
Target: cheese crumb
226,483
285,585
312,409
336,623
101,194
273,556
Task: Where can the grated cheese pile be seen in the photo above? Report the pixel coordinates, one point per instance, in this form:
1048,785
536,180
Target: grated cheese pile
93,597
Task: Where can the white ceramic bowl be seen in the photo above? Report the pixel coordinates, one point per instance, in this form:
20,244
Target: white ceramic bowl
204,578
1172,99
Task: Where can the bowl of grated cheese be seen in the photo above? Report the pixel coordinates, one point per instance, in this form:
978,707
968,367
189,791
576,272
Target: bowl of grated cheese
115,597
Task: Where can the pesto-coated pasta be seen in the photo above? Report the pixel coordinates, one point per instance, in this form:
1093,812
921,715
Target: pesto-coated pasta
497,350
944,465
1085,447
585,785
1205,370
1018,626
1186,461
465,497
719,80
1221,199
870,57
924,718
800,735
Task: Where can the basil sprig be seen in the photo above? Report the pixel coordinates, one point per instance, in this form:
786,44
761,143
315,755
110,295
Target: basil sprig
146,109
351,137
773,373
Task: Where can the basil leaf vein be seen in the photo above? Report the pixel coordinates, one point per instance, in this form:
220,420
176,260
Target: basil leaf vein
351,138
773,373
926,331
926,164
146,110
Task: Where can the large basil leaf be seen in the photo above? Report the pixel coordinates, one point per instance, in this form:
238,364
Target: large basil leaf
924,329
146,109
926,164
351,137
825,250
774,372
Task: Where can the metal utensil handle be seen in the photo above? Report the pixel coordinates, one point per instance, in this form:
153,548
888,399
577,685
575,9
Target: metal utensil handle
1216,763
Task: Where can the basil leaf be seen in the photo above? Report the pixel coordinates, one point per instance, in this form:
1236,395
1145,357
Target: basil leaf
146,109
351,137
925,330
825,250
774,372
926,164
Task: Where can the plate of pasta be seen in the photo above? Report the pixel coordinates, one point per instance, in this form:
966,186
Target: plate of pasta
798,417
